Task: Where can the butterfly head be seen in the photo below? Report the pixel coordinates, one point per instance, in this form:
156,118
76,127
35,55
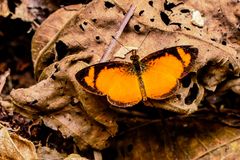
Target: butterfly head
134,57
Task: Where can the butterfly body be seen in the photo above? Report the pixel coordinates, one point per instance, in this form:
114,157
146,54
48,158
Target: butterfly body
138,68
125,84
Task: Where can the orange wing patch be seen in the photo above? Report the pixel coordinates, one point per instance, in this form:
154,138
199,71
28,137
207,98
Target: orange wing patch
186,57
119,85
161,76
89,79
113,79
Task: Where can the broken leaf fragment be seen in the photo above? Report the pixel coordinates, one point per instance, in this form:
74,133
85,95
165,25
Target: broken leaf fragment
75,157
85,132
13,146
4,9
48,153
197,19
67,107
52,154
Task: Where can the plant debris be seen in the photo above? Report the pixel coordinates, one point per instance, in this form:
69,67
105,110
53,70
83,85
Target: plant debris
61,120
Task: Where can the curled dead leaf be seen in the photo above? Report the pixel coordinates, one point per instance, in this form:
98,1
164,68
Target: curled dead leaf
48,153
48,95
77,33
87,119
13,146
75,157
3,78
29,10
77,124
4,9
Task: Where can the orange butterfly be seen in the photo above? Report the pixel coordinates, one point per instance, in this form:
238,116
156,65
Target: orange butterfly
125,84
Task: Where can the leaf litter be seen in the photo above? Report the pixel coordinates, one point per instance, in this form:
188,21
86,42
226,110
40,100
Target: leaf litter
75,34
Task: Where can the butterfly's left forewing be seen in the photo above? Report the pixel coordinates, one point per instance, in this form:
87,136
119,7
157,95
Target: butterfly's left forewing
114,79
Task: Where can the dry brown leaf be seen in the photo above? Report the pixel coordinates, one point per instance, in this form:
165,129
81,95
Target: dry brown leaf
4,10
30,10
47,95
48,153
45,49
93,105
220,19
56,93
3,78
23,12
184,139
70,28
157,15
214,75
75,157
80,126
15,147
233,85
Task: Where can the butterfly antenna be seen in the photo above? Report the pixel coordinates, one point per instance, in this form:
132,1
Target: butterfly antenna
143,40
120,43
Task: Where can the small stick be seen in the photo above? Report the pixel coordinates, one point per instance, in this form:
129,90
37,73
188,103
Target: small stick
3,79
112,44
97,155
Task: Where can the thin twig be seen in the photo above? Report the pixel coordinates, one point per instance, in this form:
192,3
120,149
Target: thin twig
230,85
3,79
112,44
97,155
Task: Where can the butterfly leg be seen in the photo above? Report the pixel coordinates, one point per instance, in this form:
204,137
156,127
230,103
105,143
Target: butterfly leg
147,103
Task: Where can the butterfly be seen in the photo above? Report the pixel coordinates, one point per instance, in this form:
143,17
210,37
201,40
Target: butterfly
125,84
